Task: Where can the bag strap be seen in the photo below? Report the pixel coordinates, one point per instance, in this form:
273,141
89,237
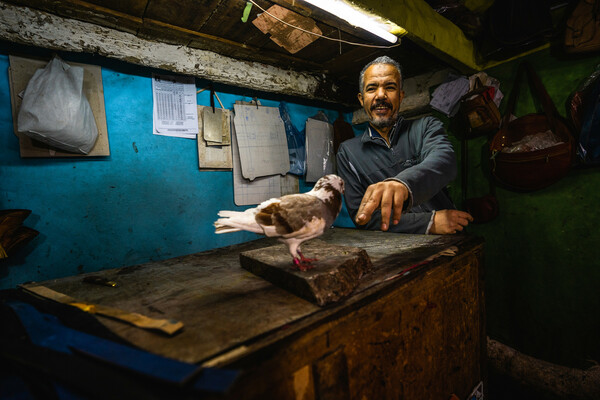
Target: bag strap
465,172
537,88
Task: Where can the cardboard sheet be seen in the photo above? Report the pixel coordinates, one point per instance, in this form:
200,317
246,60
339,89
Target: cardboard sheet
291,39
261,140
211,156
246,192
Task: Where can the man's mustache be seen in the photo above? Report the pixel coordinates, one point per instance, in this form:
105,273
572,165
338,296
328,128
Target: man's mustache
381,103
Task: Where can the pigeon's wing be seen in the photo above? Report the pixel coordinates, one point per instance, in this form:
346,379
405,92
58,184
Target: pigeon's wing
292,215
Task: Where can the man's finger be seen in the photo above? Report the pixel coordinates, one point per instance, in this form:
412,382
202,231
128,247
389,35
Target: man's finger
466,215
360,213
369,204
462,221
386,209
398,204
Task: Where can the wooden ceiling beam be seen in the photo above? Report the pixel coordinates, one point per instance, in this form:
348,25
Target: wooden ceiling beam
37,28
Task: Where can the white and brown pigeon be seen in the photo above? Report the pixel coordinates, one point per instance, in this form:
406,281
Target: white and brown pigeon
292,218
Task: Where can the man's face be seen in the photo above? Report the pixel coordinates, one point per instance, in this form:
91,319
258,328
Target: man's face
381,95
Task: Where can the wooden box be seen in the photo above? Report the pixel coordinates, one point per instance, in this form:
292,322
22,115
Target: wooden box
414,327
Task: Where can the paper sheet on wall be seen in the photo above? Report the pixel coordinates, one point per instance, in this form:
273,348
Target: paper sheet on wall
246,192
261,139
174,106
319,149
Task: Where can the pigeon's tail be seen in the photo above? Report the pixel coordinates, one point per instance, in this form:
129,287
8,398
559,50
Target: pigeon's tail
234,221
220,228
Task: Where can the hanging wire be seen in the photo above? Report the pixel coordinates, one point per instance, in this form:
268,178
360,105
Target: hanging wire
323,36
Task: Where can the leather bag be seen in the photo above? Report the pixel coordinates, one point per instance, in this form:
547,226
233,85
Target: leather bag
531,170
479,112
582,33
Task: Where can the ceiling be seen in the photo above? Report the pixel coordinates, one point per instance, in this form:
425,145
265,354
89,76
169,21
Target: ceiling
217,26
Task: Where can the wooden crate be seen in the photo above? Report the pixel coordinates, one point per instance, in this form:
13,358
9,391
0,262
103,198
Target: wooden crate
419,338
416,335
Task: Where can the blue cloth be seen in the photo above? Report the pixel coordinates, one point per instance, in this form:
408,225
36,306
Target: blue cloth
47,331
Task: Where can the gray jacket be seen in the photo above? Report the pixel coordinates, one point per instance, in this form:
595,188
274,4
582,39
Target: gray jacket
420,156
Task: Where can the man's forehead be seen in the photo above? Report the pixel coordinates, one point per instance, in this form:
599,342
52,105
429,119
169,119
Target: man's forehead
382,72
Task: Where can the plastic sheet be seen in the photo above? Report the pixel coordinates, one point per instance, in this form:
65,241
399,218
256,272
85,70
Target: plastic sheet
55,110
536,141
296,143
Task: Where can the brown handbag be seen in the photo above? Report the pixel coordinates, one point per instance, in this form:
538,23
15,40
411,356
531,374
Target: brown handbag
479,113
531,170
582,32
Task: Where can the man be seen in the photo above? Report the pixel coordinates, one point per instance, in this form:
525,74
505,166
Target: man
398,168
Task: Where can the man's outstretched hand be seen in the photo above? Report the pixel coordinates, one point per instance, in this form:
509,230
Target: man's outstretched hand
387,195
449,221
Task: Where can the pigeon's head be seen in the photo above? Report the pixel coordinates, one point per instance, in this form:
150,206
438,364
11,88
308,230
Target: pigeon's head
330,189
330,183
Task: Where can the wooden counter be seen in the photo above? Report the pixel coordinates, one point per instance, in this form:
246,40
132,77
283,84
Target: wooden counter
416,336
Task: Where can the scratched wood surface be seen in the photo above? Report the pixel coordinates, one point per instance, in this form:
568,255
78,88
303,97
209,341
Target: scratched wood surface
335,274
418,338
225,308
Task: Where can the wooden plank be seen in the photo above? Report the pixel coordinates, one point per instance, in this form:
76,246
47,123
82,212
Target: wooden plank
336,273
189,14
423,338
134,8
21,70
225,20
177,35
126,17
27,26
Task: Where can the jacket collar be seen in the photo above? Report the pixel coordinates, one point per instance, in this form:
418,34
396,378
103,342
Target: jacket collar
371,135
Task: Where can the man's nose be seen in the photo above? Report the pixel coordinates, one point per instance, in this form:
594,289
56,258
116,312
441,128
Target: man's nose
380,93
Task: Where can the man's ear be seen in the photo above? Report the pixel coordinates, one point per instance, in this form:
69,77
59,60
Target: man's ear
360,98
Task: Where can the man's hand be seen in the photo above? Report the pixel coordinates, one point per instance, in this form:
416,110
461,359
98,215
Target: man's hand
386,195
449,221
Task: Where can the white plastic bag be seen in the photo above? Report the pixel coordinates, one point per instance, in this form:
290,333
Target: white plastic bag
55,110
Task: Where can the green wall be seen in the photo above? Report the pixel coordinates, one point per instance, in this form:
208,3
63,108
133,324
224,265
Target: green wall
542,254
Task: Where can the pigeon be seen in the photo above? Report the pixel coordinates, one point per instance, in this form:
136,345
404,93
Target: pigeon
292,218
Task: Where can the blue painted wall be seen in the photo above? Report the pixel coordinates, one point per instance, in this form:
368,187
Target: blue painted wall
147,201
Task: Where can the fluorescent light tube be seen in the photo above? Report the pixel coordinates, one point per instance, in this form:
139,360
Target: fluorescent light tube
355,17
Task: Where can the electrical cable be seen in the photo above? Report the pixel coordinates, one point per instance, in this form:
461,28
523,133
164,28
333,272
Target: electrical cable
323,36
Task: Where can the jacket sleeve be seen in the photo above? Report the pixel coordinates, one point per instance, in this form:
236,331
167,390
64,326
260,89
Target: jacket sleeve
437,162
354,191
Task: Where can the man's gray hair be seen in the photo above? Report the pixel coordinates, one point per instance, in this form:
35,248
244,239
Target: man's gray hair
379,60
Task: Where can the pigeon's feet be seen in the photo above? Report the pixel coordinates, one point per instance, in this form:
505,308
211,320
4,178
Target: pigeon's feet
303,264
306,260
